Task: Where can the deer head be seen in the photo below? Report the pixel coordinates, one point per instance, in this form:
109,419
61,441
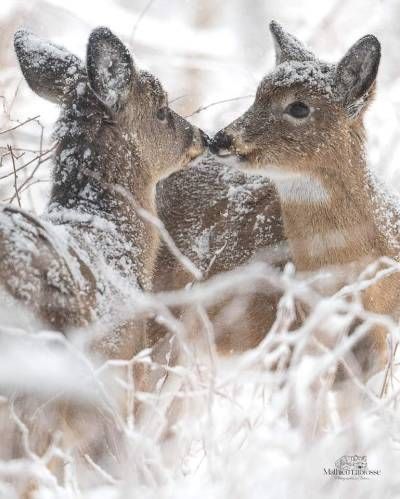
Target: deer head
307,114
117,94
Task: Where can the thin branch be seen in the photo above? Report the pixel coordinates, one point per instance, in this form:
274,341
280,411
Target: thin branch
109,479
28,179
15,176
24,433
24,188
156,222
180,97
19,125
153,220
233,99
140,18
39,156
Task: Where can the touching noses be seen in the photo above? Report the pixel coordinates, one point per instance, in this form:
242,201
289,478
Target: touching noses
221,143
200,141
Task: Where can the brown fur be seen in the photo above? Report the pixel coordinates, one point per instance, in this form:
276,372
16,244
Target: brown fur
333,210
75,265
217,217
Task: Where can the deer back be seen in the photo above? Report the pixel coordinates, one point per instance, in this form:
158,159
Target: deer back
221,219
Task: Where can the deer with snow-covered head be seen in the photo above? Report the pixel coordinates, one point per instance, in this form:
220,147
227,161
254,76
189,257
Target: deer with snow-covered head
117,136
305,131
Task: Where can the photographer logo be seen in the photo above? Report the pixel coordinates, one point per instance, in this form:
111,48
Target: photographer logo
351,468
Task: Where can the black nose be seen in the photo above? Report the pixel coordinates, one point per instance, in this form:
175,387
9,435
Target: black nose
205,139
220,141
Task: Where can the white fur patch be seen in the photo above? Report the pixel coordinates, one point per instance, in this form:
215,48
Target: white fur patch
321,244
296,187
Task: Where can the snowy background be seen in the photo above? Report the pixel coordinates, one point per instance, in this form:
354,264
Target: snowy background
205,52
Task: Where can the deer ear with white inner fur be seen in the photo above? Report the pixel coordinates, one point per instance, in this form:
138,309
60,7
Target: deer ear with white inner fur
51,71
110,68
356,72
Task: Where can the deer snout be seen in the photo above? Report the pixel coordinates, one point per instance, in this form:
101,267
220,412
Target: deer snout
205,138
221,144
199,143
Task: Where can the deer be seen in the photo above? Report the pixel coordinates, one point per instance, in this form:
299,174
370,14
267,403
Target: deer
221,219
214,214
305,132
76,265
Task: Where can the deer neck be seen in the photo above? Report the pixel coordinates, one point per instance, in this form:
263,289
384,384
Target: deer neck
329,214
99,181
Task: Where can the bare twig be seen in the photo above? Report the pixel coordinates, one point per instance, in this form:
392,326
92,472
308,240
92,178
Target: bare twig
24,187
19,125
24,433
108,478
40,157
183,259
39,163
233,99
140,17
15,176
155,221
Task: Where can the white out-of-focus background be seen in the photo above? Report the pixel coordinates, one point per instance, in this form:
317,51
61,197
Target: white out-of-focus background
204,52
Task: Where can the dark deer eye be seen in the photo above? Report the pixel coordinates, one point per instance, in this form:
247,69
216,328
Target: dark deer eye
298,110
163,113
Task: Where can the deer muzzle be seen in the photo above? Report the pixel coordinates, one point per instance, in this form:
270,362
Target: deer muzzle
221,144
199,143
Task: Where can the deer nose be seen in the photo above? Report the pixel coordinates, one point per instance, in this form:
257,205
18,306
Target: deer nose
205,139
221,143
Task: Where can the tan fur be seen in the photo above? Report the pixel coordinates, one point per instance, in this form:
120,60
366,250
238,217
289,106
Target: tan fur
331,206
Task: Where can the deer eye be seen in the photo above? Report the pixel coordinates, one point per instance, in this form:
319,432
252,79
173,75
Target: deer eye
163,113
298,110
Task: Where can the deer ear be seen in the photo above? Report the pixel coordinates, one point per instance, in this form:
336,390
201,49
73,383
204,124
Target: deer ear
288,47
110,67
51,71
356,72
